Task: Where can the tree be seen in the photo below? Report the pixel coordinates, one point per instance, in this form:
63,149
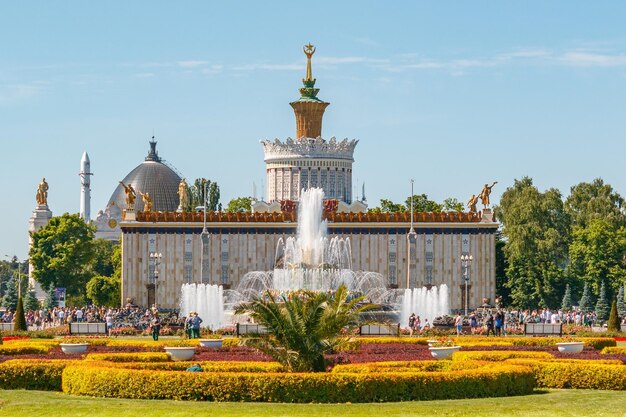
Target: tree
536,229
621,305
585,303
595,200
596,254
51,298
452,204
502,264
19,319
197,194
302,330
10,296
30,300
567,303
614,323
62,252
602,306
105,257
104,291
388,206
241,204
423,204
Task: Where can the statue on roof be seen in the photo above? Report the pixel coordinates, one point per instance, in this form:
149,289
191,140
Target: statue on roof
484,194
183,195
42,193
309,50
130,195
147,201
472,203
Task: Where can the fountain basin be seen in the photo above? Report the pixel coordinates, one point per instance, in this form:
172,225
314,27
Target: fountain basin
444,352
212,343
180,353
73,348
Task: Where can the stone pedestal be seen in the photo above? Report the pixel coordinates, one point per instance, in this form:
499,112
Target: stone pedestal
488,216
40,217
129,215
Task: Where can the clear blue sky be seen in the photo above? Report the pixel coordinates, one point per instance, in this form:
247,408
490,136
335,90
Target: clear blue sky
453,94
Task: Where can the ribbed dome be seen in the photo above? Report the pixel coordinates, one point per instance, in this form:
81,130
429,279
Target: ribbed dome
154,177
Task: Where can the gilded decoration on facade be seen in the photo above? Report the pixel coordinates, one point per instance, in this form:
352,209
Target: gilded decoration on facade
42,193
309,148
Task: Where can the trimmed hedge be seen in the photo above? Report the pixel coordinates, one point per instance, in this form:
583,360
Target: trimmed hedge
21,349
500,355
208,366
32,374
129,357
583,375
411,366
612,350
297,387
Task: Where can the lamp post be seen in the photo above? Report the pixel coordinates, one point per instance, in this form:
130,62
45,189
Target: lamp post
466,262
203,235
156,258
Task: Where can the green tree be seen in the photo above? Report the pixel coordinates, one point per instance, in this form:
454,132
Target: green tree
621,305
501,267
19,319
302,330
596,254
595,200
388,206
421,203
104,291
62,252
30,300
452,204
10,296
585,304
614,323
537,229
51,299
602,305
567,303
240,204
197,194
105,255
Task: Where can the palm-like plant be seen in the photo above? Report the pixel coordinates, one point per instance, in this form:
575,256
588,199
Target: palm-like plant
301,329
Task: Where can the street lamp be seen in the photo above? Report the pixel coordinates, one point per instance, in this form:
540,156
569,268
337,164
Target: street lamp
156,258
466,262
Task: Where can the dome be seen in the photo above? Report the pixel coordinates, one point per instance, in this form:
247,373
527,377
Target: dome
154,177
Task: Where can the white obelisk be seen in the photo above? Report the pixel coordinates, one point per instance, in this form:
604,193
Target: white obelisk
85,190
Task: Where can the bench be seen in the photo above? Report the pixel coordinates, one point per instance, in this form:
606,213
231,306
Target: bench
88,328
380,330
543,329
248,328
6,327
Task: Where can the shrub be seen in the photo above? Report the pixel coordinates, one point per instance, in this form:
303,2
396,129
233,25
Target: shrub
32,374
612,350
410,366
129,357
19,320
581,376
503,380
614,323
500,355
18,349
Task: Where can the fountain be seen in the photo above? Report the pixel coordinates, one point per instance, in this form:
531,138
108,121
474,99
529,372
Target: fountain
312,261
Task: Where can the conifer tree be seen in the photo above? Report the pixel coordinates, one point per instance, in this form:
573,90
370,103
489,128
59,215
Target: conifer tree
30,300
19,320
621,305
614,323
51,300
566,304
585,303
602,306
10,297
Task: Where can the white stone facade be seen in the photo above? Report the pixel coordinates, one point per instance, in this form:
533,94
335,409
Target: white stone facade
305,163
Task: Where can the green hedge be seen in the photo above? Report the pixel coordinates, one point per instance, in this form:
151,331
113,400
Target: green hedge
129,357
501,355
32,374
410,366
296,387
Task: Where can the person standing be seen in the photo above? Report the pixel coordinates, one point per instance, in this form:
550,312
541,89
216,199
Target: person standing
489,324
155,326
458,323
196,321
411,323
189,325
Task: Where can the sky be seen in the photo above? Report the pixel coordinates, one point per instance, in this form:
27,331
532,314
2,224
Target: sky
451,94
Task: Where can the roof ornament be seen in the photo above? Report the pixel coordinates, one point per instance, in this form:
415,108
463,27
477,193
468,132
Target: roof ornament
309,91
153,155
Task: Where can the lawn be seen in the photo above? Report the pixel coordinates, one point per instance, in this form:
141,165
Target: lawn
552,403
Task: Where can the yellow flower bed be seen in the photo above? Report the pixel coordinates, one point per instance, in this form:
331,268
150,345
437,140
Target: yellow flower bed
410,366
24,349
501,355
614,350
500,380
32,374
129,357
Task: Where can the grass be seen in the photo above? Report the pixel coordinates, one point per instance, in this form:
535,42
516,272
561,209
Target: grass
552,403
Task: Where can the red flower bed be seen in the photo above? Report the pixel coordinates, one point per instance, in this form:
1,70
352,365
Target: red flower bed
7,338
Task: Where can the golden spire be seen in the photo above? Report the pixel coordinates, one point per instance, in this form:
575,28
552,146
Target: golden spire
309,50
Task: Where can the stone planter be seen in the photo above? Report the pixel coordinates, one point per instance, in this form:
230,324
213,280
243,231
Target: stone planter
212,343
181,353
73,348
570,347
443,352
432,343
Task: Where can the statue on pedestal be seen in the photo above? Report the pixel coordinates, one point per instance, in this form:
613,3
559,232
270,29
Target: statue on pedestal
130,195
183,195
42,193
484,194
147,201
472,203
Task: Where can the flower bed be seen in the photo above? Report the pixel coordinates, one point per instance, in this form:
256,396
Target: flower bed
500,380
129,357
